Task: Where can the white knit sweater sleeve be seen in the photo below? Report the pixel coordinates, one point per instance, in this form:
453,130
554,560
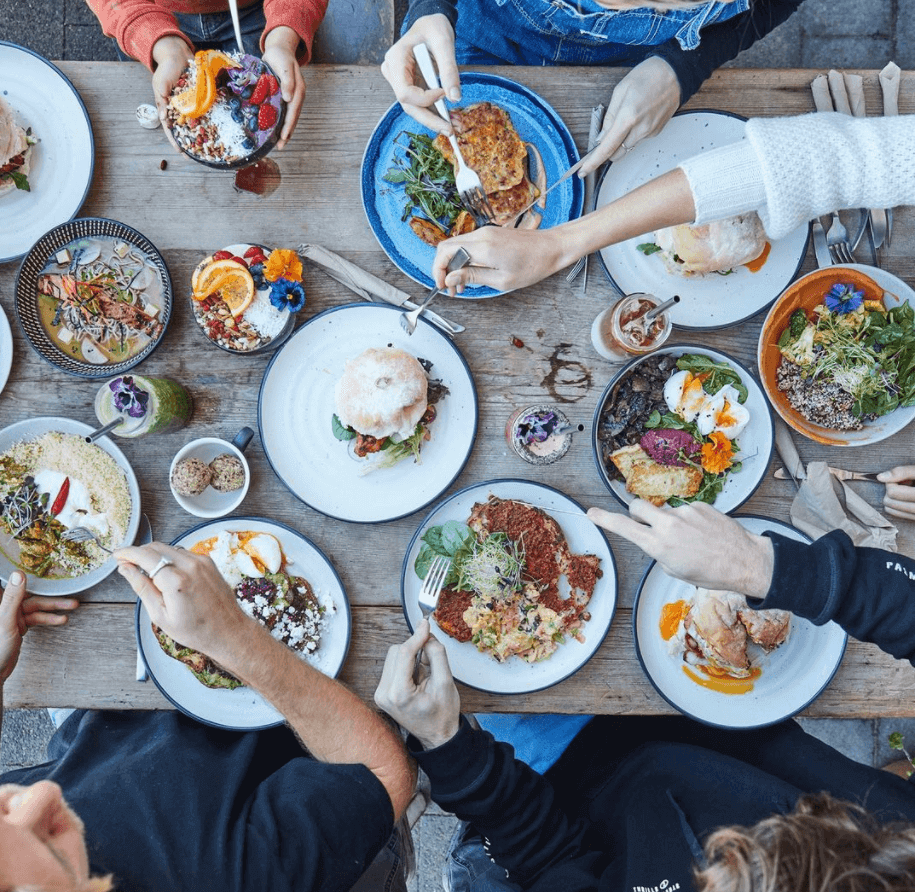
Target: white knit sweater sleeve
791,170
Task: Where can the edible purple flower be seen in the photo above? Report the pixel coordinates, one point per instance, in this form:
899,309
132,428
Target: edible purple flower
287,295
843,298
537,428
128,397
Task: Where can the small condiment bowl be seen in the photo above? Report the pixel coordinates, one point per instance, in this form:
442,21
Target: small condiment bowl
805,294
211,502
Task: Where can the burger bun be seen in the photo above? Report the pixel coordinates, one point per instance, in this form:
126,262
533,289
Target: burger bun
712,247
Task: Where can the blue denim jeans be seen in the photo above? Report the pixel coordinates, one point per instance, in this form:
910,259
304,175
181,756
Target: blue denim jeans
469,869
214,31
563,32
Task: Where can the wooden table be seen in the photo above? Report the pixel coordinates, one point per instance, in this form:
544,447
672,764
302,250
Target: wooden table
189,211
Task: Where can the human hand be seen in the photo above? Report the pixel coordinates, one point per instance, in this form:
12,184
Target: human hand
697,544
188,599
642,103
171,55
430,709
899,499
280,47
504,259
399,69
19,612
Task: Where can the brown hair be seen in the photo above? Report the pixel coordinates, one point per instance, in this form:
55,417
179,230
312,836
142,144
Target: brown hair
824,845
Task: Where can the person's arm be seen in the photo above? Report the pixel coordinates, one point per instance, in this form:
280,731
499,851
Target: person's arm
507,259
477,778
190,600
869,592
18,613
136,25
719,43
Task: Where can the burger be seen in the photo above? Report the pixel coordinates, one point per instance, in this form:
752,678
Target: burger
384,403
716,247
15,151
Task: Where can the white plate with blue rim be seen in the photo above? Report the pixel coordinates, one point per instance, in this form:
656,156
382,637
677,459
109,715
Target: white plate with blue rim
792,675
706,302
44,100
244,709
296,408
537,123
515,676
756,441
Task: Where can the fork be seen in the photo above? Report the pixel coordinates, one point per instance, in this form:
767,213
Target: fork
408,320
466,180
82,534
433,585
837,241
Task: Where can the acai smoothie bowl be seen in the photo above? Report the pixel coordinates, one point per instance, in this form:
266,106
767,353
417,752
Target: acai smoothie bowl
226,110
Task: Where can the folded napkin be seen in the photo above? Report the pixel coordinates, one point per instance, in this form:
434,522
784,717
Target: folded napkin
824,503
367,286
538,739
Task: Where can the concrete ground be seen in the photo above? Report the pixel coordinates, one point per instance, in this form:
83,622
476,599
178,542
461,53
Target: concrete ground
822,34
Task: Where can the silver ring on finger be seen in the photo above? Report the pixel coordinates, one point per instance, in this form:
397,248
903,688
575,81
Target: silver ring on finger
625,148
163,563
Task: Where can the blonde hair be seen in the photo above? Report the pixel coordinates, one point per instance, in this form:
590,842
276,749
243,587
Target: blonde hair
823,846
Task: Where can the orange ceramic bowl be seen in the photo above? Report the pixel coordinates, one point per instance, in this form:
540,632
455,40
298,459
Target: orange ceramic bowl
805,294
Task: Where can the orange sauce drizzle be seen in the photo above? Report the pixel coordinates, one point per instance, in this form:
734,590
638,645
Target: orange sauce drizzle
671,616
754,266
722,683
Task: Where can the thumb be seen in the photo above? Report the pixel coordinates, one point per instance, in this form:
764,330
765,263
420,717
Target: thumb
899,474
13,595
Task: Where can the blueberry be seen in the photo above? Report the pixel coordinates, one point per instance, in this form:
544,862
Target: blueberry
234,102
247,145
237,115
248,92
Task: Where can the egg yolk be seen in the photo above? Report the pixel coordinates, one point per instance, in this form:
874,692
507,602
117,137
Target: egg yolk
671,616
722,683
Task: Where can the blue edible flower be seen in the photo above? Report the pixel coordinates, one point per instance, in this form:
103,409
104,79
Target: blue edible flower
287,295
843,298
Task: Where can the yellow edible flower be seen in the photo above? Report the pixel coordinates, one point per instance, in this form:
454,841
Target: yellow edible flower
718,455
283,263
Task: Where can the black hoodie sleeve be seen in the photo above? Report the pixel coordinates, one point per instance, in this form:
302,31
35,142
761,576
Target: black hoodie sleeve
722,42
869,592
512,807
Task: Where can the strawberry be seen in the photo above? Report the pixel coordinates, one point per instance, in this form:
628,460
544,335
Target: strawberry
273,84
222,255
261,90
253,251
241,260
266,117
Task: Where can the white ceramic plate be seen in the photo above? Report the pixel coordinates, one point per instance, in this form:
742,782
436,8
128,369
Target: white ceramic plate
244,709
885,426
793,675
6,349
62,161
756,442
296,406
35,427
706,302
515,676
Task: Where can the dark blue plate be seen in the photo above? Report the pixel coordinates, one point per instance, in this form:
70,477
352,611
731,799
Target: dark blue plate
536,123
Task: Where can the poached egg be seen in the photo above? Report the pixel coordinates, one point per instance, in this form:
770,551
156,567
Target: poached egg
722,411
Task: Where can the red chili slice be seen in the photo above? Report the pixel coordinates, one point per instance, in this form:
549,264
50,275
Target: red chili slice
61,499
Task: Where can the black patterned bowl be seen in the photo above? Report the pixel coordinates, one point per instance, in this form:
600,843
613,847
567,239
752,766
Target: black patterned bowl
27,304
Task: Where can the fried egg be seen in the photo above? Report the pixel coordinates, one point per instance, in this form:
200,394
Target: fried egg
235,559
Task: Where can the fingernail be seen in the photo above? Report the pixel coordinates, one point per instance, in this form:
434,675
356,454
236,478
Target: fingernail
454,94
883,476
16,578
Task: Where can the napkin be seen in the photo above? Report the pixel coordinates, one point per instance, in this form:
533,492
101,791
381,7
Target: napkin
367,286
824,503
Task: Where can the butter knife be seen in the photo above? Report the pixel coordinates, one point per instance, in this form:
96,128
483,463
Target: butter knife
820,249
838,473
788,453
889,86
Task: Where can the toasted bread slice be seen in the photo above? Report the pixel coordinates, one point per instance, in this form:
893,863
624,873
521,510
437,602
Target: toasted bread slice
652,481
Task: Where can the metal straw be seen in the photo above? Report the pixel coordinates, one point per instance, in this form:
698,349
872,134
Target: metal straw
660,308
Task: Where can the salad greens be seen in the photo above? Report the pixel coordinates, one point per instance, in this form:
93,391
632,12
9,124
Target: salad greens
719,374
428,181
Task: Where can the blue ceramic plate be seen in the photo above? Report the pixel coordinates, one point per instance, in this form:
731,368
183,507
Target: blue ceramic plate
536,123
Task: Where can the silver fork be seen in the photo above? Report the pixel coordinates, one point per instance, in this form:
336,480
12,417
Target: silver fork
81,534
837,241
465,179
408,320
433,585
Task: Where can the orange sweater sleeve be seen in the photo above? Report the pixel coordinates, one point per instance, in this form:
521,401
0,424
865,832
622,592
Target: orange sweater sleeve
303,16
136,25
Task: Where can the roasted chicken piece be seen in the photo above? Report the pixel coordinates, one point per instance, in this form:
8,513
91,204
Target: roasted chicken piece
716,631
768,628
431,233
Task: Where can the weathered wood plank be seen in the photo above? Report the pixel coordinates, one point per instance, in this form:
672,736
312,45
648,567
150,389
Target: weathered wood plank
189,211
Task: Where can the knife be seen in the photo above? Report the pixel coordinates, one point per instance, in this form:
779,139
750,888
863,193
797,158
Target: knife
838,473
876,217
819,245
889,86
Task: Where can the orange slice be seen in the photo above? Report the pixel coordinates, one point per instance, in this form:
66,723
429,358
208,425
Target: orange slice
236,288
205,277
217,60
